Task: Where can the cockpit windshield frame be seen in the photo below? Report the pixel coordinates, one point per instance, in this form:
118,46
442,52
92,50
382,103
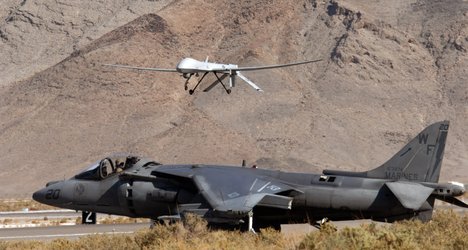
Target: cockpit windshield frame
106,167
90,173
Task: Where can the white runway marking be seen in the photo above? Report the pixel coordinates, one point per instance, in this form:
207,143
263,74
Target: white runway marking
45,236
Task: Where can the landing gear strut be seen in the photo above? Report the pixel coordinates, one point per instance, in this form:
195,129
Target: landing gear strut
250,227
224,86
219,79
196,86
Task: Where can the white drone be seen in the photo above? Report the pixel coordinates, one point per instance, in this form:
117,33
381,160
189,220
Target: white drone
189,67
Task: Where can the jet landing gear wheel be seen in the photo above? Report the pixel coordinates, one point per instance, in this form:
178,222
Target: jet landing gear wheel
155,222
318,224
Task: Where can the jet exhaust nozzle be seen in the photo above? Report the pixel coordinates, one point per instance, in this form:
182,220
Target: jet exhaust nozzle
457,188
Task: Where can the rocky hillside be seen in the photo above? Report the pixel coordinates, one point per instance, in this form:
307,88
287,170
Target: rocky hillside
35,35
388,70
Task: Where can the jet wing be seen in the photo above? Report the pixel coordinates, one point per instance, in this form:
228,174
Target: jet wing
233,191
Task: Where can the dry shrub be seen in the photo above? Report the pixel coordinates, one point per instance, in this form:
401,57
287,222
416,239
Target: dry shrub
116,241
170,236
119,220
26,245
447,230
194,234
7,221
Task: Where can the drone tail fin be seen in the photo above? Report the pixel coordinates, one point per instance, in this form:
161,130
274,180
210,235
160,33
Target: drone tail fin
252,84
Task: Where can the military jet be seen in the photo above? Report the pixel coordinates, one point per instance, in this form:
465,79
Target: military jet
404,187
189,67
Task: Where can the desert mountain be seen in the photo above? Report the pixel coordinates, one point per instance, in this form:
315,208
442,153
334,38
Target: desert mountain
389,69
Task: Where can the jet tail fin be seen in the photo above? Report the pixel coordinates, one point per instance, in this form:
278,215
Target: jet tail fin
420,160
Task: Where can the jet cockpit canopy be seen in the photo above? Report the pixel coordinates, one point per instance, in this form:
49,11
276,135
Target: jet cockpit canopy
108,166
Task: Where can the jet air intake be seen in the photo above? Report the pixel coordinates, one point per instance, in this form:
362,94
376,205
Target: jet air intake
160,195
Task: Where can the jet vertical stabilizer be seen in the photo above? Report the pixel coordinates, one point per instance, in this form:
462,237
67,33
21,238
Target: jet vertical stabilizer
419,161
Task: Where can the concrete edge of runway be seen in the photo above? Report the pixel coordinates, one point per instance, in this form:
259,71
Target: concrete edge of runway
79,230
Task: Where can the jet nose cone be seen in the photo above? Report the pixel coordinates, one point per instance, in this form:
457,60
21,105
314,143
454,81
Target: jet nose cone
40,195
54,194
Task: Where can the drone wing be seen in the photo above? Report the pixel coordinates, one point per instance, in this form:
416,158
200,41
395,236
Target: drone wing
189,66
140,68
275,66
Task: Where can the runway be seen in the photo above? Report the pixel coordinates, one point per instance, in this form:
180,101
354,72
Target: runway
76,231
68,232
25,231
62,213
33,225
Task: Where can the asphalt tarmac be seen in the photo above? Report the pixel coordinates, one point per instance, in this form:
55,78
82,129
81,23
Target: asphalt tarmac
65,213
21,231
68,232
76,231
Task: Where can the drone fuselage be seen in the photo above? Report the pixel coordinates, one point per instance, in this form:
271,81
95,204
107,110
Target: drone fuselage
192,66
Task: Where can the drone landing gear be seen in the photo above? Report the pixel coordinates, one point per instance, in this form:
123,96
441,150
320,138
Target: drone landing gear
187,76
219,79
198,83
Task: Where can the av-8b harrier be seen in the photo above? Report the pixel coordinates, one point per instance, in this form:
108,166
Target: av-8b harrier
404,187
